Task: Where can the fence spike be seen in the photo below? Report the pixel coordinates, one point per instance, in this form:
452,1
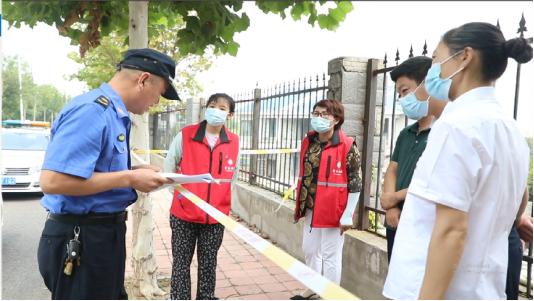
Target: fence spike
522,28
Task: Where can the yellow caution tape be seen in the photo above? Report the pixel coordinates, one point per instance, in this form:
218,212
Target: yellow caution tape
287,193
149,151
301,272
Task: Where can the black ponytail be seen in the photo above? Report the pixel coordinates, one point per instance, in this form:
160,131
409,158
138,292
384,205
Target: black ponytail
489,41
518,49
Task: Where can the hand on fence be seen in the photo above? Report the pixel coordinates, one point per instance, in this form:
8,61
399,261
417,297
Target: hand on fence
393,217
524,227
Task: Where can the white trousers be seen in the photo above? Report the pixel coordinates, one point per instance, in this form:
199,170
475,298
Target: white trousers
323,249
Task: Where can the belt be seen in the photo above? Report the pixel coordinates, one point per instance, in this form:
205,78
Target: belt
90,219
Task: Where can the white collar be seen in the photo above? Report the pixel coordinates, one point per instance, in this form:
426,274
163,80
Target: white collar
481,94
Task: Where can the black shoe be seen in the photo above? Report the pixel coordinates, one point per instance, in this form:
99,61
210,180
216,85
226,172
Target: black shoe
300,297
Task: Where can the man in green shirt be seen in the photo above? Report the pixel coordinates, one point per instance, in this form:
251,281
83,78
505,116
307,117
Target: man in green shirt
410,144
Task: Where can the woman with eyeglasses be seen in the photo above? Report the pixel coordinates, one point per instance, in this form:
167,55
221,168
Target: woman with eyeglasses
328,190
468,186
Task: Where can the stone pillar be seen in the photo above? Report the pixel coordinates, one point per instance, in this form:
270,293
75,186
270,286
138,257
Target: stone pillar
348,83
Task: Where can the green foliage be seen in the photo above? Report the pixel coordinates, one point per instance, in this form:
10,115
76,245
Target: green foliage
11,92
206,24
44,100
189,31
99,63
375,223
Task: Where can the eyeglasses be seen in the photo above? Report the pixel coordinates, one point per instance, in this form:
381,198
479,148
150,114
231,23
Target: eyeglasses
324,114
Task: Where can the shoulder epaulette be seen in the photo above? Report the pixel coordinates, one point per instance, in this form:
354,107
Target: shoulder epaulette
103,101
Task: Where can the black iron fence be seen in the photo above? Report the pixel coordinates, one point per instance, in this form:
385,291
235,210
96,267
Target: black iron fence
391,120
276,118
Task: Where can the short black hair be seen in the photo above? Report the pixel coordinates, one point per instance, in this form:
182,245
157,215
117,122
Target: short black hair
490,43
228,98
414,68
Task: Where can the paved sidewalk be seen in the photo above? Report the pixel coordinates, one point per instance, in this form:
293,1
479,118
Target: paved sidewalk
242,272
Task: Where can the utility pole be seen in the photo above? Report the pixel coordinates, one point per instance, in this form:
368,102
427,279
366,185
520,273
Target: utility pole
21,104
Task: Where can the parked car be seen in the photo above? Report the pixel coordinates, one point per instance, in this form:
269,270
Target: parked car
23,151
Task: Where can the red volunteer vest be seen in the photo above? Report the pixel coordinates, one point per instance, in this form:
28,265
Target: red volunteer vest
198,158
332,193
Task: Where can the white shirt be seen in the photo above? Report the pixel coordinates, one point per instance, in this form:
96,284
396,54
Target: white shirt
212,139
475,161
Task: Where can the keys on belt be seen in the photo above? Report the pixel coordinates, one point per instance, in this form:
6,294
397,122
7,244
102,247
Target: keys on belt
73,252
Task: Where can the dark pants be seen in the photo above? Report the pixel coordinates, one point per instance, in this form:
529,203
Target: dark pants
208,239
390,237
102,257
515,258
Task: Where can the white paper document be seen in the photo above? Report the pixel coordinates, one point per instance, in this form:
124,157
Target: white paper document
181,179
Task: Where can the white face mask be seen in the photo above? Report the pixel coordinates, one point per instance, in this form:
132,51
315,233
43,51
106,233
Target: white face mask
436,86
320,124
412,107
215,116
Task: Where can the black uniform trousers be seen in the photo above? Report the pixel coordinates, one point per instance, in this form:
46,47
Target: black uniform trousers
390,237
515,258
102,261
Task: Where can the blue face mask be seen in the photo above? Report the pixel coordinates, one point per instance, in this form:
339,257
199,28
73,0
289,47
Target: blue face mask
436,86
412,107
215,116
320,125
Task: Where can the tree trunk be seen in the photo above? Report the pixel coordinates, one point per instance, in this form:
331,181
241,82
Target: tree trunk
143,259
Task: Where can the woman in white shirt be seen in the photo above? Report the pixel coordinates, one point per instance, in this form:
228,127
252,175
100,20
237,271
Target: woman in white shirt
452,239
